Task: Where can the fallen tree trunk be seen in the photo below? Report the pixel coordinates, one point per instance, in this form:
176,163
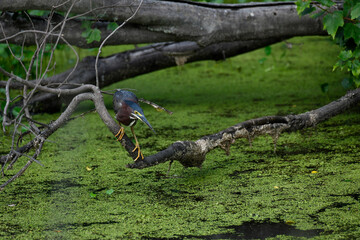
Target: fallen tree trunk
159,21
211,31
132,63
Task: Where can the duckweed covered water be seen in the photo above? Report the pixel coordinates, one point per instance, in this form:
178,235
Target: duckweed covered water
310,186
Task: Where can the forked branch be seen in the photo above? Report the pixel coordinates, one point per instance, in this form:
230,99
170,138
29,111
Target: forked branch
188,153
37,142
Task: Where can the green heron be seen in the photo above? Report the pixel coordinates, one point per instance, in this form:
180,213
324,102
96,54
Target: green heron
128,111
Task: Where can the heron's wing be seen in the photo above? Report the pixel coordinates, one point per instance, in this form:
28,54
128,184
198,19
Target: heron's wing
117,101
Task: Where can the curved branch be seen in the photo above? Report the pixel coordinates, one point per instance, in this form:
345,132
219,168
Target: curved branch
192,154
38,141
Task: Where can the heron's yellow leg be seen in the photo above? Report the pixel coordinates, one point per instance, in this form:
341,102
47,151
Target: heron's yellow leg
120,134
137,146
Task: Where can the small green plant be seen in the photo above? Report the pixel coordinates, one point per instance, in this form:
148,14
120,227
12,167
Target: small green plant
92,195
90,34
344,27
110,191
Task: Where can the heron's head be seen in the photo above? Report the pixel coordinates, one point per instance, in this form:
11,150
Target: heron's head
138,114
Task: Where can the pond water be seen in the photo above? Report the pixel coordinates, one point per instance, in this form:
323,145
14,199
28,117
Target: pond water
309,188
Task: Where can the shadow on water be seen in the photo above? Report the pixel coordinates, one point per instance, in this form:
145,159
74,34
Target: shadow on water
254,230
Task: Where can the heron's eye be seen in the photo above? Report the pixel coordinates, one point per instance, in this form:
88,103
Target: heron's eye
137,113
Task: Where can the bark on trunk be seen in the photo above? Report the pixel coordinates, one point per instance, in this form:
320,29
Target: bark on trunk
160,21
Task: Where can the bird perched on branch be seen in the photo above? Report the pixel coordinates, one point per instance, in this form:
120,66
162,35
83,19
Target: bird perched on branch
128,111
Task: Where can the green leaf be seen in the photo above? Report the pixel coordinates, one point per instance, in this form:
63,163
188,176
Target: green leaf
345,55
267,50
307,11
112,26
85,34
339,37
333,21
355,12
327,3
94,35
324,87
352,31
319,14
348,64
110,191
356,53
3,51
2,91
15,111
347,8
356,82
338,64
24,129
92,195
262,60
2,105
355,68
90,34
86,25
302,5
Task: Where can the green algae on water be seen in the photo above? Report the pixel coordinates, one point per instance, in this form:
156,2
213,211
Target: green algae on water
84,190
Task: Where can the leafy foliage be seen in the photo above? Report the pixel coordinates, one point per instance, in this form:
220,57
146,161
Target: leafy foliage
91,34
344,27
9,58
333,21
112,26
94,34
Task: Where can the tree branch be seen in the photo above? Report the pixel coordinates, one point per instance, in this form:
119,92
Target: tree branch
192,153
38,141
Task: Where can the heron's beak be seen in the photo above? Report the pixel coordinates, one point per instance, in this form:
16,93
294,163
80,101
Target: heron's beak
143,119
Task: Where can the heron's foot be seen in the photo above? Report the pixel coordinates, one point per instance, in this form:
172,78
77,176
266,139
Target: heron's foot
137,146
120,134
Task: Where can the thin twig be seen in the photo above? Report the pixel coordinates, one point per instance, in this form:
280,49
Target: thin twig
82,114
18,174
32,158
37,122
112,33
156,106
7,93
28,31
